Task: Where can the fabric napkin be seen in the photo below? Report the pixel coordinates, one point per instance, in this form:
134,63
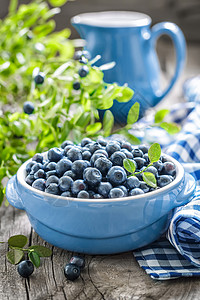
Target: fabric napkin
177,253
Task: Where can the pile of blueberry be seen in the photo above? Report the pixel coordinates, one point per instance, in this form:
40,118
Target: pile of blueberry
95,170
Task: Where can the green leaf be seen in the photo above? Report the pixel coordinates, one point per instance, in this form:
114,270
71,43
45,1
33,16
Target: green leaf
83,120
57,2
42,251
108,122
150,179
154,152
18,241
131,138
133,113
93,128
13,6
160,115
171,128
34,257
124,94
129,165
14,256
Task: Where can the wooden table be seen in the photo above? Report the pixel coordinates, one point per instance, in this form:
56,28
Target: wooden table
111,277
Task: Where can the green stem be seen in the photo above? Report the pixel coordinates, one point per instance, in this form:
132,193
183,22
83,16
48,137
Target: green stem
151,164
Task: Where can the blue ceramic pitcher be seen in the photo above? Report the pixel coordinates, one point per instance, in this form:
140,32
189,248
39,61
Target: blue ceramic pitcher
127,39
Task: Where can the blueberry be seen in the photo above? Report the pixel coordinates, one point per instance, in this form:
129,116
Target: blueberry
137,153
78,54
40,174
101,151
126,145
50,166
78,166
76,85
55,154
39,79
91,194
92,176
86,155
136,191
30,179
67,148
25,268
83,194
63,165
66,143
78,261
97,196
72,272
38,158
146,157
124,189
83,71
29,166
28,107
85,141
50,173
152,170
94,146
39,184
127,153
65,183
116,175
102,142
164,180
52,179
83,60
144,187
74,154
169,168
53,188
66,194
116,193
158,165
70,174
36,167
143,148
140,162
117,158
104,189
132,182
163,158
112,147
77,186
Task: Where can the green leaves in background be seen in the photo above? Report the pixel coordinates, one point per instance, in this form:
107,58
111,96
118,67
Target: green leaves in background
160,115
108,122
133,113
171,128
154,152
57,2
150,179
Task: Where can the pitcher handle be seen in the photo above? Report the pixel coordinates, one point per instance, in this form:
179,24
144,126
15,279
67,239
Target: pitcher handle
12,193
175,33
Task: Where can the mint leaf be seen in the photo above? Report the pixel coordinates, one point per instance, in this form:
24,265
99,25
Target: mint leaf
93,128
14,256
57,2
160,115
42,251
133,113
154,152
18,241
171,128
150,179
129,165
108,121
34,257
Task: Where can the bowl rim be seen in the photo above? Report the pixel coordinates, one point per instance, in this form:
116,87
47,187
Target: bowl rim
179,175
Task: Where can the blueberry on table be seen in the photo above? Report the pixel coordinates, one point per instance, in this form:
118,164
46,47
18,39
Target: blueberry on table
39,184
104,189
169,168
72,272
164,180
25,268
132,182
65,183
52,188
83,194
117,158
78,261
74,154
55,154
63,165
76,85
92,176
112,147
116,193
83,71
136,191
77,186
39,79
28,107
52,179
116,175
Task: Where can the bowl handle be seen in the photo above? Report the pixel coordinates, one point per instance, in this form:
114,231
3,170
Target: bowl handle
185,195
12,193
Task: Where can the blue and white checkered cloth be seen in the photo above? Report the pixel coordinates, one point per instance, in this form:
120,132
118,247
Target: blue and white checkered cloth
177,253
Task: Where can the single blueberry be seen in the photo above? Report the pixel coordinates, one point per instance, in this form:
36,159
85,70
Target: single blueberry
112,147
74,154
95,157
36,167
39,184
146,157
102,141
78,54
83,194
76,85
169,168
101,151
158,165
77,186
116,193
86,155
25,268
104,189
117,158
116,175
50,173
143,148
103,165
137,153
136,191
40,174
152,170
55,154
52,179
38,157
163,158
28,107
39,79
164,180
29,166
97,196
67,148
78,166
85,141
127,153
66,194
53,188
70,174
83,60
132,182
91,194
144,187
65,183
72,272
94,146
124,189
66,143
140,162
78,261
83,71
51,166
126,145
63,165
30,179
92,176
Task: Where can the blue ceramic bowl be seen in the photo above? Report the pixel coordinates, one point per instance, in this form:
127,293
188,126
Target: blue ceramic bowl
100,226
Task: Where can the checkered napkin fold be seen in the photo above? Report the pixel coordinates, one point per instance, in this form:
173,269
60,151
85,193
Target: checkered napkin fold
177,253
